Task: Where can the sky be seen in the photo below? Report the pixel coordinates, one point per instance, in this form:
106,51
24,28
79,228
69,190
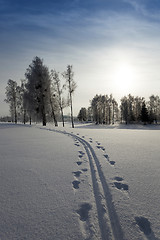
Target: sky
113,45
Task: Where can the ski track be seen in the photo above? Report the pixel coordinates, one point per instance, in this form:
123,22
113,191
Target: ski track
108,220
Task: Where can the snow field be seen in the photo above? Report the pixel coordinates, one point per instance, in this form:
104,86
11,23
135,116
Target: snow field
81,183
37,200
132,172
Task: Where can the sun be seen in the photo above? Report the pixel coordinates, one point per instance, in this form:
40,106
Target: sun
124,78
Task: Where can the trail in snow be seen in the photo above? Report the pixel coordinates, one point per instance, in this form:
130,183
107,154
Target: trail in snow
107,217
108,220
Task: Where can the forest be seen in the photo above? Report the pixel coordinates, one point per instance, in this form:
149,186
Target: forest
104,109
41,97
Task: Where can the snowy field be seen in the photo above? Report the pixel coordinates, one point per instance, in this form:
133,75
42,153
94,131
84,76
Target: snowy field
90,182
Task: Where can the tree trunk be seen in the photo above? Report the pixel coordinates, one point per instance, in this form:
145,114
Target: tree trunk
109,115
113,114
54,118
62,116
71,111
24,117
44,119
53,114
15,114
30,120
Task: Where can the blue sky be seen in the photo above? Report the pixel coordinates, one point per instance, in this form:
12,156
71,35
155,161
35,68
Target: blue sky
113,45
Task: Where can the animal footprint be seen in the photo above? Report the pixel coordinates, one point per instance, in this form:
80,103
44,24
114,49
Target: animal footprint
120,186
76,144
76,184
98,147
119,179
83,211
144,225
112,162
82,153
84,169
77,174
106,156
79,163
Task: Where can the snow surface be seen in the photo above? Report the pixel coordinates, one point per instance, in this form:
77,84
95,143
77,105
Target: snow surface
90,182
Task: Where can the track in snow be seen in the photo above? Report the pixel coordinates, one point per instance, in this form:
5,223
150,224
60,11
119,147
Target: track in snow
107,217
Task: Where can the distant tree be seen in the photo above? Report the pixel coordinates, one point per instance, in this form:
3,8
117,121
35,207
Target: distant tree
38,88
82,116
12,97
95,105
71,85
89,114
154,108
144,113
124,109
131,108
104,109
137,107
115,111
58,92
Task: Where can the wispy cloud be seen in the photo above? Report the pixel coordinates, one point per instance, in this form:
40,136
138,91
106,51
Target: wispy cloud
93,39
148,9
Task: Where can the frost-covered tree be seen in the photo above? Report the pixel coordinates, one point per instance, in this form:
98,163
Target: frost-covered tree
115,111
89,114
154,108
38,89
58,91
124,109
23,101
104,109
12,97
137,107
131,108
53,110
71,86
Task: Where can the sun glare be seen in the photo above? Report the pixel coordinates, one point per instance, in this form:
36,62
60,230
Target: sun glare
124,78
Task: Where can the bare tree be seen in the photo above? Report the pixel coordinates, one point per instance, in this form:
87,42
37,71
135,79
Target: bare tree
71,85
58,91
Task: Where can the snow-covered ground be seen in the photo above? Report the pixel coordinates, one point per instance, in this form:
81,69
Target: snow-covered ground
90,182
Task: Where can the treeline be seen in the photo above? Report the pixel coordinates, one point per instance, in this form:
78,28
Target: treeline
40,97
104,109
